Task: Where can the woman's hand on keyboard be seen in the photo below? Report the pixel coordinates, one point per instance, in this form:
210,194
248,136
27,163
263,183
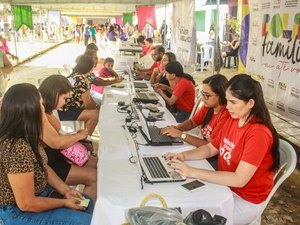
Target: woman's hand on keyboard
171,156
171,131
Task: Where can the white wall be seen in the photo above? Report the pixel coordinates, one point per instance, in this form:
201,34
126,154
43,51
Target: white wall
203,37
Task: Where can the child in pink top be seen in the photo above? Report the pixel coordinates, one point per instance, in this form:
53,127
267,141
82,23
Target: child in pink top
105,72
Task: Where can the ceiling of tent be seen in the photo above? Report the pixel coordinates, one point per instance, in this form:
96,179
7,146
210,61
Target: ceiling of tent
89,8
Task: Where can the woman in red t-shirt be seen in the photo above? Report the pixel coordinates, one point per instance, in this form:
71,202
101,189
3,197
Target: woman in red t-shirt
212,113
182,101
248,150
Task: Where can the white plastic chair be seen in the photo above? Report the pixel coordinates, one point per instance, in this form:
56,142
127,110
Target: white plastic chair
206,55
288,161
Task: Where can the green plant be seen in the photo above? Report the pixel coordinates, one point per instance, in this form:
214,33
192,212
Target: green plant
234,24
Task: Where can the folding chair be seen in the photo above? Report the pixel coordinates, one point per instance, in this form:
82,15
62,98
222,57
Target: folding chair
288,161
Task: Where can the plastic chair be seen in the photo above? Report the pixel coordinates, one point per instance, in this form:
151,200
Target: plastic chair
198,102
206,55
228,58
288,162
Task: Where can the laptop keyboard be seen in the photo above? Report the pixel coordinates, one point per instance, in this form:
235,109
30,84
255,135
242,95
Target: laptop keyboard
143,95
157,137
155,167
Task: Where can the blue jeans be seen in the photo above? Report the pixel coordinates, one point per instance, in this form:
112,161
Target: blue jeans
12,215
179,115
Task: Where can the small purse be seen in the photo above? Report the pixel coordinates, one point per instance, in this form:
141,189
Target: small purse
77,153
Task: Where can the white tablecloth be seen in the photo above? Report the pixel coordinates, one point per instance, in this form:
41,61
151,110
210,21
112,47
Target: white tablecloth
119,186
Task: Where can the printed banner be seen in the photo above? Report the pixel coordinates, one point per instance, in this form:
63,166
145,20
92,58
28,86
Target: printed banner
274,53
146,14
22,15
184,37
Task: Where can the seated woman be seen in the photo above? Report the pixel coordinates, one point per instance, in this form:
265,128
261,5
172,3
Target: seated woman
182,101
158,76
26,180
210,116
97,82
54,90
247,145
80,106
234,45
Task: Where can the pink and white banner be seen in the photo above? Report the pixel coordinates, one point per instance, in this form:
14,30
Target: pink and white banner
274,53
146,14
184,42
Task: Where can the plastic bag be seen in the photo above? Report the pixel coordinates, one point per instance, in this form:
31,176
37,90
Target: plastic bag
151,215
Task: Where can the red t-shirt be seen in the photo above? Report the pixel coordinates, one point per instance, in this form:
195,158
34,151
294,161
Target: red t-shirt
215,123
251,143
184,90
146,50
103,73
156,64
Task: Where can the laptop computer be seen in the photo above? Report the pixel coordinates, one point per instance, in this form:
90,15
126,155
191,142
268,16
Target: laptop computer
140,85
152,133
155,168
143,97
146,97
133,74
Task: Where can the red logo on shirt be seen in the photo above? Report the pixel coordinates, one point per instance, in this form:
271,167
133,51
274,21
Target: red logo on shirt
226,148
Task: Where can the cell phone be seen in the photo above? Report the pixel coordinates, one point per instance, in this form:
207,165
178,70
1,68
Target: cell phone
192,186
83,202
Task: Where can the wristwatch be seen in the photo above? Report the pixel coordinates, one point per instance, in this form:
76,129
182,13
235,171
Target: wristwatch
183,136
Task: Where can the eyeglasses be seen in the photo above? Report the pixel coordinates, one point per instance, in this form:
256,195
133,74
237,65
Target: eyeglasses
205,95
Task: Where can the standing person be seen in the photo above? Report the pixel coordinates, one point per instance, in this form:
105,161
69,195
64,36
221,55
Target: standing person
163,32
247,146
87,34
5,68
182,100
77,33
54,90
26,180
93,34
4,48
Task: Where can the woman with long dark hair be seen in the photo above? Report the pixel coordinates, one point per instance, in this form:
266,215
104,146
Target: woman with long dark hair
182,100
24,174
248,150
80,105
158,76
209,117
54,90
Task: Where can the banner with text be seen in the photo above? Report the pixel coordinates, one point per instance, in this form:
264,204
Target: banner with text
184,35
274,53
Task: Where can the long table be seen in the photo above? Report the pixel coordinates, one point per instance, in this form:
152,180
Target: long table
119,185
